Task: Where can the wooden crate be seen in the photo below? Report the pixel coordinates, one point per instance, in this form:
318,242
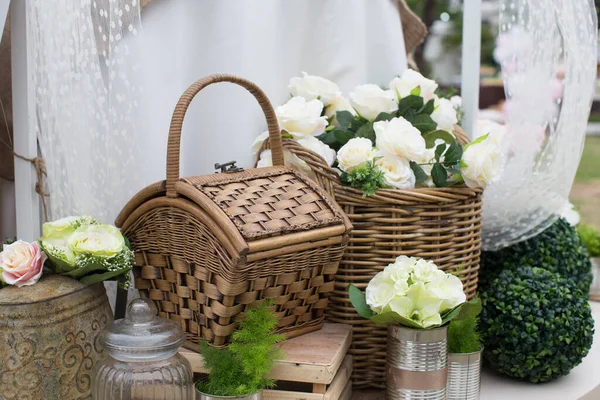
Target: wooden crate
316,366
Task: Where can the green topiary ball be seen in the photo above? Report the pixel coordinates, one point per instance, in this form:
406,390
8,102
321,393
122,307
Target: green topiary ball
534,324
557,249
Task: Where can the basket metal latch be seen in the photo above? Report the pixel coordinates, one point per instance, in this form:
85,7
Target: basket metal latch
228,167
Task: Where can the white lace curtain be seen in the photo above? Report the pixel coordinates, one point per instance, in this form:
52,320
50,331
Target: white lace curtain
85,102
105,86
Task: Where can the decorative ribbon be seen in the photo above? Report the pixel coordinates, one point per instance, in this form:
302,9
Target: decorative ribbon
40,170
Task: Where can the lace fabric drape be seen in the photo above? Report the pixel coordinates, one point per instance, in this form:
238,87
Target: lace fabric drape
541,40
84,103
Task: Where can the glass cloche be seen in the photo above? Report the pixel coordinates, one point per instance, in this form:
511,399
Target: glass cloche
143,362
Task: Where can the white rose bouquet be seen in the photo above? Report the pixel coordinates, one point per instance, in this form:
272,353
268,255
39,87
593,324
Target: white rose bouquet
414,293
86,250
408,126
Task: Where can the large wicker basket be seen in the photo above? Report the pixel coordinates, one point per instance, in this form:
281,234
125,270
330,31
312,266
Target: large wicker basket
439,224
207,247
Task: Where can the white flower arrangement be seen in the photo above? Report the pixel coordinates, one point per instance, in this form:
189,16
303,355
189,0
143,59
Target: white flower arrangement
399,137
414,293
84,249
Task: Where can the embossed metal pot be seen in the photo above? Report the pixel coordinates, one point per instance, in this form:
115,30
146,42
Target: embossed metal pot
49,338
464,376
416,363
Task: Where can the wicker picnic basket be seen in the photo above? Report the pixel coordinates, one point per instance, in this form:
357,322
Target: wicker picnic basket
439,224
207,247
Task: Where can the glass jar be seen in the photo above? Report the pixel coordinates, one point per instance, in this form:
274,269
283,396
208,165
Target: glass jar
143,362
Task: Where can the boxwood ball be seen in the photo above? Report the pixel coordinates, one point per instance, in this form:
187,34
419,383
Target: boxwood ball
535,325
556,249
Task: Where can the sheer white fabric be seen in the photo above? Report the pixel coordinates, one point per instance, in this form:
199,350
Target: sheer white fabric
105,86
84,115
540,41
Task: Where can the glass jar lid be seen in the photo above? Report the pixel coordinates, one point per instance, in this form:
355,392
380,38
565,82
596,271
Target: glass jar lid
142,335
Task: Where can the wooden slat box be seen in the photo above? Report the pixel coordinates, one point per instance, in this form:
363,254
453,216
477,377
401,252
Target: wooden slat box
316,366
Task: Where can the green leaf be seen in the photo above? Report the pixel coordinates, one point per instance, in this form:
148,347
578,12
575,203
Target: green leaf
329,128
342,137
79,272
328,138
414,103
432,136
416,91
422,122
428,107
357,123
367,131
476,141
97,278
384,117
286,135
420,175
451,314
470,309
439,150
127,243
439,175
453,154
344,118
359,302
391,317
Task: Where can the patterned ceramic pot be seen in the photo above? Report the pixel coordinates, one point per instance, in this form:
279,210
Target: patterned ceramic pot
464,376
49,334
416,363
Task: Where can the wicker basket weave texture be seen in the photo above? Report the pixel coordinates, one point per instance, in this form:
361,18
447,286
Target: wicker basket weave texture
438,224
209,247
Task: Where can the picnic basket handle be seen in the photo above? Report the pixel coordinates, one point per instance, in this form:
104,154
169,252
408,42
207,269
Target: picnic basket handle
174,144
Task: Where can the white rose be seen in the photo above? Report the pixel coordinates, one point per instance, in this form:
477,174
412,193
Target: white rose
425,271
290,159
444,115
370,100
313,144
482,163
301,116
99,240
314,87
338,104
411,80
401,138
495,131
456,102
396,170
355,153
449,290
380,291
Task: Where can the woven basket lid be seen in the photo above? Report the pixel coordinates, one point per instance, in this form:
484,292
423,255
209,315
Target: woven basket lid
268,201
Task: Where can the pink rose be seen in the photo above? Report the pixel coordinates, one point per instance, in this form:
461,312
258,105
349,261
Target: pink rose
22,263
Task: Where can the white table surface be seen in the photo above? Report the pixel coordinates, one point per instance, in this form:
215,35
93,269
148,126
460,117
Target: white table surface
583,383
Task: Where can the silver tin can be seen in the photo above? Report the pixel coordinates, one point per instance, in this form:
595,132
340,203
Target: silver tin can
417,363
464,376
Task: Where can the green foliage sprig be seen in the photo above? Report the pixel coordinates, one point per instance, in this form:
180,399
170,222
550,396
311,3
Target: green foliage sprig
241,369
463,336
590,237
367,177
